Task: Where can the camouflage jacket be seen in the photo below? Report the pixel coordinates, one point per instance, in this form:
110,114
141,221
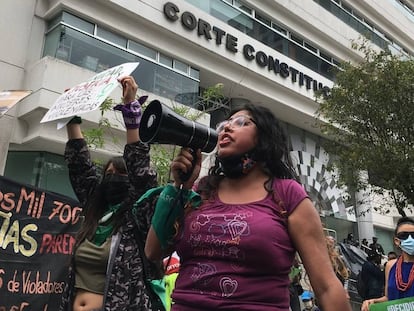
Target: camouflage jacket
124,288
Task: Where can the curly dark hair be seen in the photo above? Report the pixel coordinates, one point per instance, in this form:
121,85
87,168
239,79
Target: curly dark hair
272,149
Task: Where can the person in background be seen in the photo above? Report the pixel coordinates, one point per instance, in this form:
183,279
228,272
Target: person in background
399,272
237,236
376,247
364,245
308,301
390,256
350,240
106,268
295,288
373,276
337,262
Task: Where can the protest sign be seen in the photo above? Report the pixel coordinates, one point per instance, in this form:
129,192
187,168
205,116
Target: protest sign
10,98
37,235
404,304
89,95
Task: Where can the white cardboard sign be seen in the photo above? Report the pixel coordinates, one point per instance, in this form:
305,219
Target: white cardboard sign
89,95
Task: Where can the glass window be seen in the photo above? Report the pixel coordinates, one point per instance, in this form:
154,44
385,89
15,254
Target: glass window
264,34
40,169
296,39
111,37
78,23
325,56
21,165
356,21
180,66
263,19
325,3
279,29
231,16
242,7
142,49
54,22
194,73
310,47
336,62
55,44
347,8
54,175
96,55
166,60
88,52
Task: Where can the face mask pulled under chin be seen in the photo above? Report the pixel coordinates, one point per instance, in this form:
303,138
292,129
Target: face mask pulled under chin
237,166
114,188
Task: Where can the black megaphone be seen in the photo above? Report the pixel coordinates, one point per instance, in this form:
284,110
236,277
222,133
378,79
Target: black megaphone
159,124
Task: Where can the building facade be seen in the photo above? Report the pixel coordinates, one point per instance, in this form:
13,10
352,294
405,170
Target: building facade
270,53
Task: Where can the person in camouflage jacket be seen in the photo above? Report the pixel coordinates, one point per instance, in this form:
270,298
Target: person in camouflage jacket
125,288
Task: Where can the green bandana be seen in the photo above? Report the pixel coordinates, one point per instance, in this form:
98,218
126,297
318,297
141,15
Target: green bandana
168,209
104,231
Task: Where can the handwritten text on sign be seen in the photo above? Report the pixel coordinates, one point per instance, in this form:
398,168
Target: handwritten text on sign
88,96
37,236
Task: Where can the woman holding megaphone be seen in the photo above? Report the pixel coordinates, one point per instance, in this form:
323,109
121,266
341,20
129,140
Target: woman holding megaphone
238,234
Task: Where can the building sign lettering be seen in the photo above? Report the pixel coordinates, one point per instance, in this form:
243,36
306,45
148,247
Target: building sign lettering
262,59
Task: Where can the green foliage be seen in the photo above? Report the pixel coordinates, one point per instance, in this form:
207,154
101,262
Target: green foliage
369,117
214,92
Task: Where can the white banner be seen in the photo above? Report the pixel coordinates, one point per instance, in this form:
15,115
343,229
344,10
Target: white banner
89,95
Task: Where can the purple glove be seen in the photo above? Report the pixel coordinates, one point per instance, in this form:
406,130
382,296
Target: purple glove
132,112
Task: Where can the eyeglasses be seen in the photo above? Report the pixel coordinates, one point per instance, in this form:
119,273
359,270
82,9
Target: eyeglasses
237,122
403,235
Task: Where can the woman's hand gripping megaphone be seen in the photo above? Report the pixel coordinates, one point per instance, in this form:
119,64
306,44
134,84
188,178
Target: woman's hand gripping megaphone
186,167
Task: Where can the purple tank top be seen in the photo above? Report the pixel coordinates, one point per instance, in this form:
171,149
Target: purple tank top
237,256
393,292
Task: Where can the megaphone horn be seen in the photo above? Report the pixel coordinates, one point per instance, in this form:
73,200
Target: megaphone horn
160,124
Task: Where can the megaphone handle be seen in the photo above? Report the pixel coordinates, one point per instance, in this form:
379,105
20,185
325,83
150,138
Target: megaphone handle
185,176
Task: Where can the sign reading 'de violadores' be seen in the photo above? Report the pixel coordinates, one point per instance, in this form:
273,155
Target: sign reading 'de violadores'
37,236
190,22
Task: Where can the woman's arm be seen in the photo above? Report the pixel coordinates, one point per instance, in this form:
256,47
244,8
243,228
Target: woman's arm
182,163
82,172
306,231
136,154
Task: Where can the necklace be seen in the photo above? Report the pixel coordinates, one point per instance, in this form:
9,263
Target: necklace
401,285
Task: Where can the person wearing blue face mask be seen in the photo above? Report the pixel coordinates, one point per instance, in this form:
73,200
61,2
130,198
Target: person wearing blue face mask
399,272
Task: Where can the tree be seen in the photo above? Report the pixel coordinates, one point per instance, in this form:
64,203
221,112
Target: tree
369,117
